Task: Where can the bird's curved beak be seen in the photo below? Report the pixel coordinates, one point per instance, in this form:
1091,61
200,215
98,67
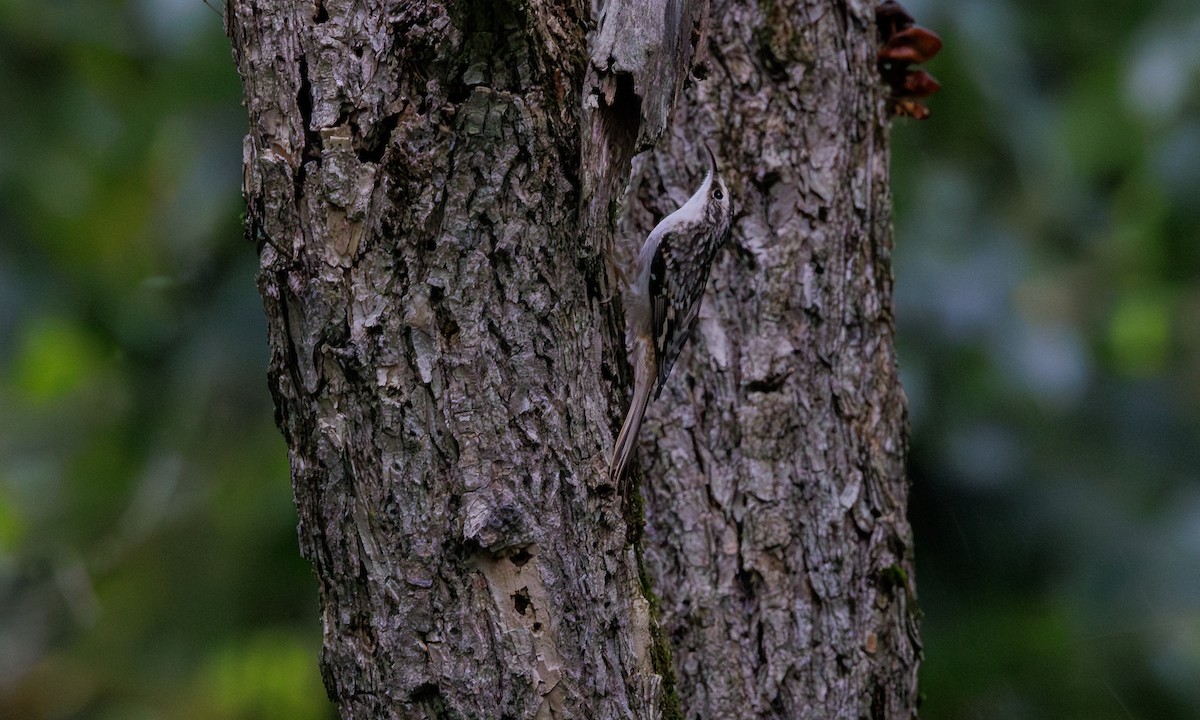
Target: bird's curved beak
712,161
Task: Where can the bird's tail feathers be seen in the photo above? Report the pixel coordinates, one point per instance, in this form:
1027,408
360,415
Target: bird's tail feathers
643,383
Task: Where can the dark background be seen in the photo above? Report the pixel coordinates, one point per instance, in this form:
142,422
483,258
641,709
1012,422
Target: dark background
1047,263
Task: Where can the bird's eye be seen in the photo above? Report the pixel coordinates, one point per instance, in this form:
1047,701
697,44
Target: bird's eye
718,194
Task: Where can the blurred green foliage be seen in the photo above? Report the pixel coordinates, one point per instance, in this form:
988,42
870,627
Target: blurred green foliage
1048,305
1047,262
148,561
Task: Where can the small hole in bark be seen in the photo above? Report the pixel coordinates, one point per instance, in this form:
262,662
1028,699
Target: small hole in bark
458,93
371,142
623,115
322,14
520,557
521,601
425,692
749,581
537,627
768,179
771,383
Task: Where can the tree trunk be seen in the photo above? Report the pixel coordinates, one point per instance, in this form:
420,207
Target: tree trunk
775,457
433,188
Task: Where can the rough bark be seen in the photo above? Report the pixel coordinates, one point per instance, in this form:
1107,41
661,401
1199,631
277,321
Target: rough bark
775,458
433,189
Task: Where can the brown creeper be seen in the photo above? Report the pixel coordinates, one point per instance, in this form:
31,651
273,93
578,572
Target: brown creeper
664,299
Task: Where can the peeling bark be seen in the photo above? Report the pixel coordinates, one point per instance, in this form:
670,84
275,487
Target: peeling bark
433,189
